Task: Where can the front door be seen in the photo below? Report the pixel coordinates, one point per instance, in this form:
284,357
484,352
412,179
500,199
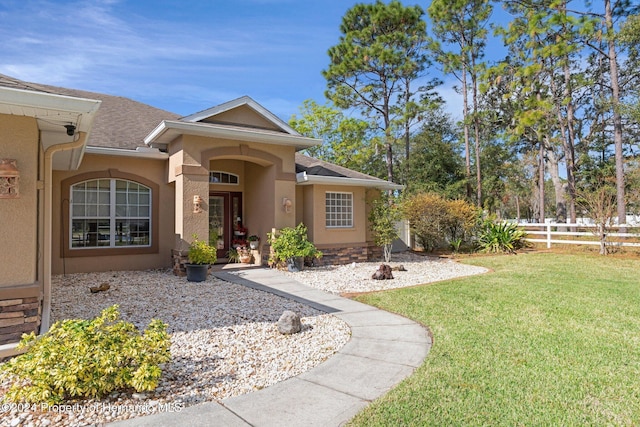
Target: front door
225,216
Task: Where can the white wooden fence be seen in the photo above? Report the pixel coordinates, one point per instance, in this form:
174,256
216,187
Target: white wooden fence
579,234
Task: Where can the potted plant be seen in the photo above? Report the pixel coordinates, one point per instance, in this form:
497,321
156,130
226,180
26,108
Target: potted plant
244,255
201,256
254,241
291,246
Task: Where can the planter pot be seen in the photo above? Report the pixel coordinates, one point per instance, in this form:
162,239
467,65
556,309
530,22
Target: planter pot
197,272
295,264
254,244
245,259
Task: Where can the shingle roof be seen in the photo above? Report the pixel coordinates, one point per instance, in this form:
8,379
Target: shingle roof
119,123
313,166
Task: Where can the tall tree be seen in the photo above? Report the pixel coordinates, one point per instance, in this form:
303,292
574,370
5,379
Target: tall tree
380,55
460,25
617,117
346,141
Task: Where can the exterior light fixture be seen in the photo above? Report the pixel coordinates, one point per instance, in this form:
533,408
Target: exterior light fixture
197,204
9,179
287,204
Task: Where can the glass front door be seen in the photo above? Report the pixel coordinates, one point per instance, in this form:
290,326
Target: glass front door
225,216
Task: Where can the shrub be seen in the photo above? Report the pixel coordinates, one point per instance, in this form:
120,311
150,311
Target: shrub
200,252
291,243
436,221
383,216
87,358
501,237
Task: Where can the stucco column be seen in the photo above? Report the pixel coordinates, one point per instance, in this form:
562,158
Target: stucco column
192,182
285,216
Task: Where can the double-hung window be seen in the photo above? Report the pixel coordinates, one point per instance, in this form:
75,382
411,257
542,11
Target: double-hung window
110,213
339,209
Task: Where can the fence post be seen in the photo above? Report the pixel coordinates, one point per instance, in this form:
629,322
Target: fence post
548,236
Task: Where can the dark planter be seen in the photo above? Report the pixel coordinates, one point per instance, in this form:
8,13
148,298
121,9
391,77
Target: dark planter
295,264
197,272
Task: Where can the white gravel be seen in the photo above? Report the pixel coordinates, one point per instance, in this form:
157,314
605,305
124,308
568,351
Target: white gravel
224,342
356,277
224,338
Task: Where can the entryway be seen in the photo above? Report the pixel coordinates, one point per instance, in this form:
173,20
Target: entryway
225,217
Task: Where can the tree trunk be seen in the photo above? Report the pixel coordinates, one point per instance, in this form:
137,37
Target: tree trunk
541,153
476,127
465,116
558,185
617,119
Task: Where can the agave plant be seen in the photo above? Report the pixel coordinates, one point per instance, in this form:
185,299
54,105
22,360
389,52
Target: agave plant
501,237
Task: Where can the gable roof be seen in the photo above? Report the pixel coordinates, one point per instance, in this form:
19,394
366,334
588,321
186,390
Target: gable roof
119,122
310,170
209,114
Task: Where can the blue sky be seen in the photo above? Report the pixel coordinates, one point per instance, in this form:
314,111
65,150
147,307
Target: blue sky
180,55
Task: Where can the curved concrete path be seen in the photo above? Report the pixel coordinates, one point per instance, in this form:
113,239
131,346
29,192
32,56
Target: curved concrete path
384,349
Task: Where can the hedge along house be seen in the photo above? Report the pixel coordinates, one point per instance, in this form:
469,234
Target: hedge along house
130,185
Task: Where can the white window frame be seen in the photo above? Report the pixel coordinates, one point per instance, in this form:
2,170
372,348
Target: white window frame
211,177
335,215
112,217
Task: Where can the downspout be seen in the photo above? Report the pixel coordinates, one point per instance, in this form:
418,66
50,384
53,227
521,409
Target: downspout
48,195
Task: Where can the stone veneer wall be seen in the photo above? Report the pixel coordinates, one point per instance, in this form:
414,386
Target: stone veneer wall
20,312
340,256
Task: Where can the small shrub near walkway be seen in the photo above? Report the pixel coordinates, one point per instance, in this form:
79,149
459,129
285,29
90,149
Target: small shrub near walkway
546,339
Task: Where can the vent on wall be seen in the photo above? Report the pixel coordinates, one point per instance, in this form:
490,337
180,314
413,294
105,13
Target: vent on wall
9,179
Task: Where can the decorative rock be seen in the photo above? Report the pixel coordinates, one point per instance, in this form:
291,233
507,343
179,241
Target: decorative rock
383,273
289,323
103,287
399,268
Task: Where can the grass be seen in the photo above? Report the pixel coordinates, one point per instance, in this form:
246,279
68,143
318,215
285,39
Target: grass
545,339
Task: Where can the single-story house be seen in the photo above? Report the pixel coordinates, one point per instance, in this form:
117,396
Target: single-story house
94,182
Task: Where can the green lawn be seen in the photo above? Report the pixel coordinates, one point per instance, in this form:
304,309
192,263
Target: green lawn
546,339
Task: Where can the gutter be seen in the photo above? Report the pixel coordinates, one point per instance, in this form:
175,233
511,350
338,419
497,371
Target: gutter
45,321
139,152
226,132
302,178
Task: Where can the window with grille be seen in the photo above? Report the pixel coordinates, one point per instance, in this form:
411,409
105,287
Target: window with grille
339,209
110,213
218,177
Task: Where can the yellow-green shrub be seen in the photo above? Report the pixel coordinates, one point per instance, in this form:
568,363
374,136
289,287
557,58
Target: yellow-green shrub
87,358
436,221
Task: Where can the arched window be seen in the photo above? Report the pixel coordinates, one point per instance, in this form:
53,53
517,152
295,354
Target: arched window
110,213
219,177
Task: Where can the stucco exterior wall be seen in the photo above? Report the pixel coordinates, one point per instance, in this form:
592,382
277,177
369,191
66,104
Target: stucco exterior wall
243,114
151,170
323,235
19,216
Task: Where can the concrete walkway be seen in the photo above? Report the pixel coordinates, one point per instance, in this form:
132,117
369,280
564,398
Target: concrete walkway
384,349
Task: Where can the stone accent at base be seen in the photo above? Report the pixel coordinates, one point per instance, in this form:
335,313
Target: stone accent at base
20,312
347,255
180,259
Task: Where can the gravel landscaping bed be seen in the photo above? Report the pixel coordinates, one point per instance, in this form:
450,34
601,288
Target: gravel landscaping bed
224,342
356,277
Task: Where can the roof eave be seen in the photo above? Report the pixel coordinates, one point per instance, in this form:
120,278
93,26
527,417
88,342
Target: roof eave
168,130
52,112
303,178
139,153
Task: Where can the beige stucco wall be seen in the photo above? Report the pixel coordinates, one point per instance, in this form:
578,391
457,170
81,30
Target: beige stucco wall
152,170
245,115
266,172
19,217
323,235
